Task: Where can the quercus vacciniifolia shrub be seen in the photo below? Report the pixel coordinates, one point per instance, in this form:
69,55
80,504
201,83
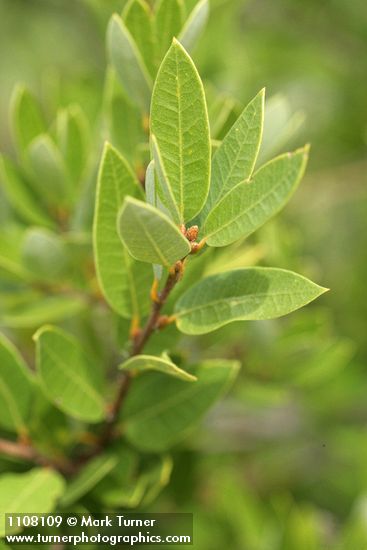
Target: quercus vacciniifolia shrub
94,414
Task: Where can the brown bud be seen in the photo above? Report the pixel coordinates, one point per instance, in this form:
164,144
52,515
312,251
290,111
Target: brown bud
192,233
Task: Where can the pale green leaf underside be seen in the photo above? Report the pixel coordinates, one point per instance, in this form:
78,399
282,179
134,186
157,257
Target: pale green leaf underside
159,410
68,375
88,478
121,279
251,203
16,388
33,492
142,363
194,25
149,235
235,158
179,122
128,63
254,293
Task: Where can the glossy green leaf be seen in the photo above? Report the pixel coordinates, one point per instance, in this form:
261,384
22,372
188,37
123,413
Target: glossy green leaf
128,63
123,282
141,363
254,293
138,18
68,375
72,138
179,123
40,310
35,492
149,235
159,410
88,478
27,118
250,204
235,159
169,17
194,25
48,171
16,388
44,254
20,195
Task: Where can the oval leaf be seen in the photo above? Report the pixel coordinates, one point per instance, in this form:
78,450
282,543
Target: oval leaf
121,279
235,158
33,492
16,388
138,19
142,363
159,410
44,254
168,23
254,293
128,63
179,122
250,204
39,309
149,235
68,375
72,138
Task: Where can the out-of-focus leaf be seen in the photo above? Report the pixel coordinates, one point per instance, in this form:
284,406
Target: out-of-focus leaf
149,235
40,310
138,18
249,204
27,119
69,377
16,388
253,293
44,254
48,172
72,138
179,124
36,491
159,410
89,477
20,195
128,63
141,363
194,25
169,17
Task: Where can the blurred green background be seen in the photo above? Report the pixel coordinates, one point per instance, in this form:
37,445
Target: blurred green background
281,463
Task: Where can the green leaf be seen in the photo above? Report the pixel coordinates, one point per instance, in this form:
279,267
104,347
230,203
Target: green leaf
235,159
254,293
179,123
16,388
138,19
89,477
72,139
149,235
250,204
194,25
44,254
27,119
49,175
128,63
40,310
142,363
20,196
159,410
169,18
122,281
69,377
34,492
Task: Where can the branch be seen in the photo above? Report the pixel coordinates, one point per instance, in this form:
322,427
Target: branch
29,453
